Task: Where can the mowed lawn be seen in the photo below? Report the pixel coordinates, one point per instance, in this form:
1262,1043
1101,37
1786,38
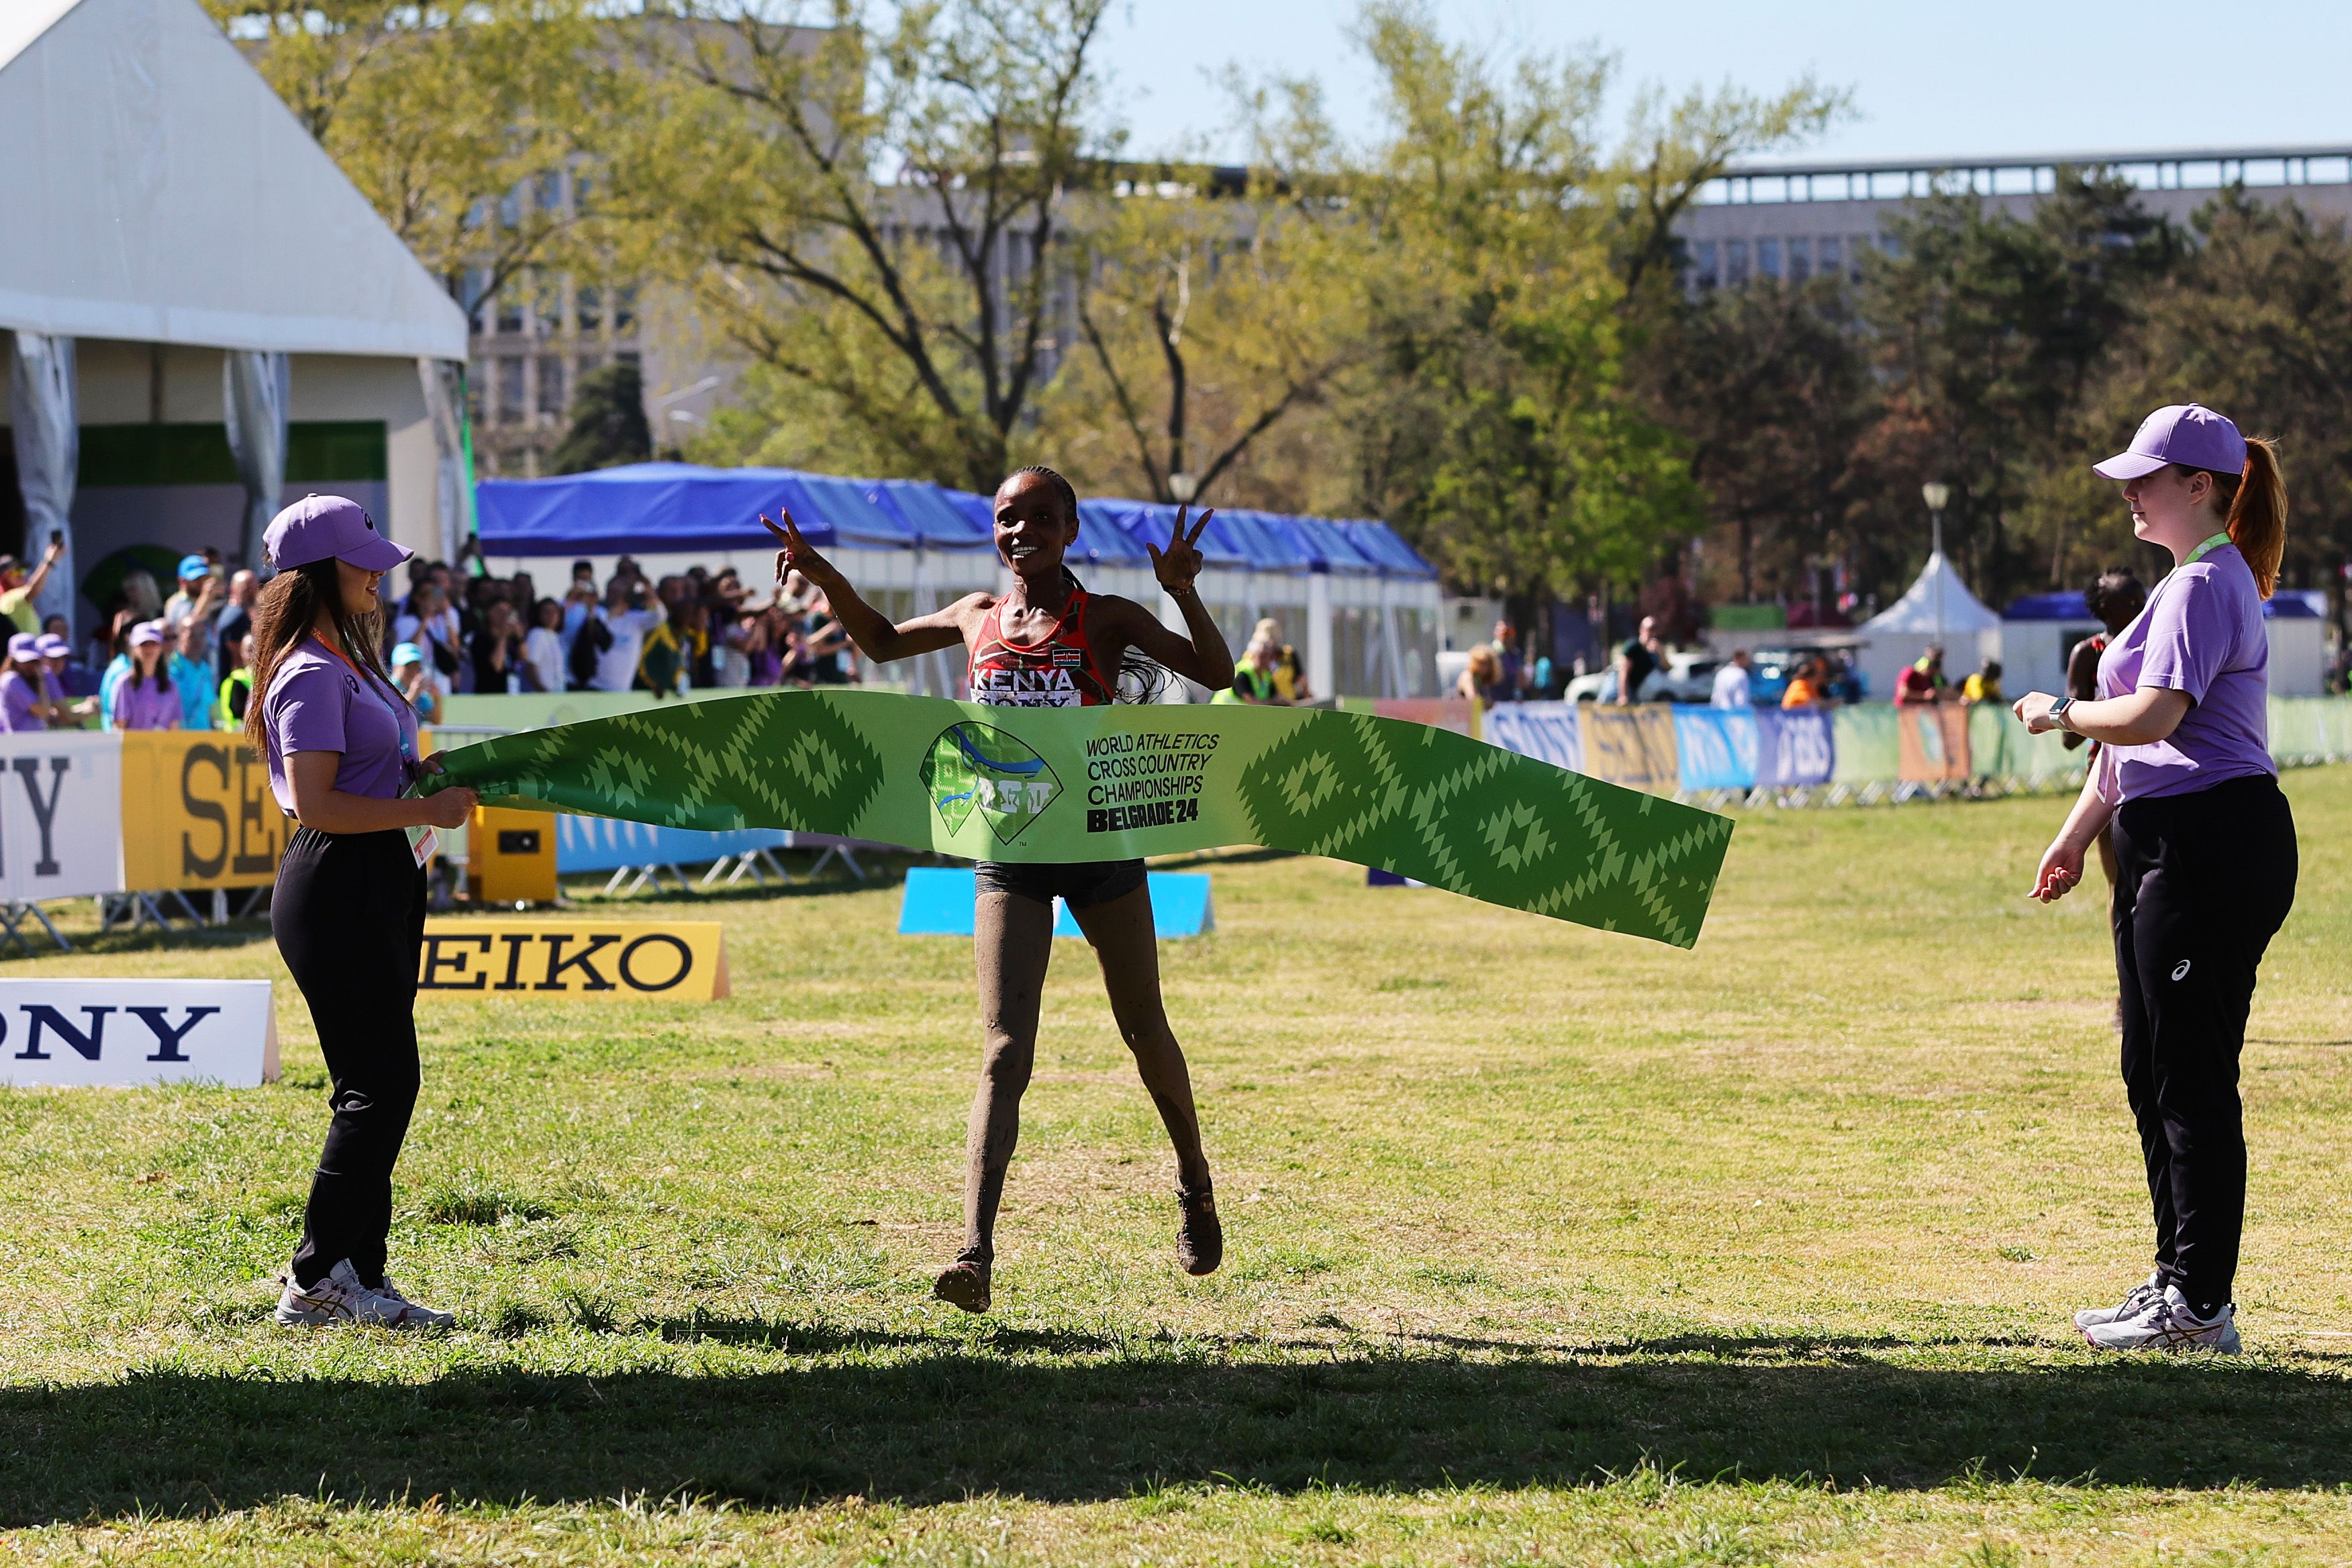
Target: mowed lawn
1543,1246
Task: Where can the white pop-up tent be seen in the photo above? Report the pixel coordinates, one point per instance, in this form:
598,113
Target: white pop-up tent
180,253
1936,608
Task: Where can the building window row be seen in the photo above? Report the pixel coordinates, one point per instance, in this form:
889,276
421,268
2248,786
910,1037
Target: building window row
1733,262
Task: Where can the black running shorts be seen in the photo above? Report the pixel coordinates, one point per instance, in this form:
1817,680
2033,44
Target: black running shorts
1081,885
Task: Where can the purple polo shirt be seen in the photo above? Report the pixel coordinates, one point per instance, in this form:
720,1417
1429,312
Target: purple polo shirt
2201,634
316,704
139,706
17,699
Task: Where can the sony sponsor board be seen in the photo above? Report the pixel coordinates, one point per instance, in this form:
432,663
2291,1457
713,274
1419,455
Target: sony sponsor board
121,1033
670,960
60,815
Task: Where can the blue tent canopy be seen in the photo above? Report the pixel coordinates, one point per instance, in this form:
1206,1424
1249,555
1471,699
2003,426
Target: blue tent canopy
676,507
670,507
2286,605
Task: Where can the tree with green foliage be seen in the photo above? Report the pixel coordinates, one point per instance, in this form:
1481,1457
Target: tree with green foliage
879,216
448,115
1769,389
608,423
2257,322
1991,333
1510,256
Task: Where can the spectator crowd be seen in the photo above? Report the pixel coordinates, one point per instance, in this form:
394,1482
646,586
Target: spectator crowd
180,662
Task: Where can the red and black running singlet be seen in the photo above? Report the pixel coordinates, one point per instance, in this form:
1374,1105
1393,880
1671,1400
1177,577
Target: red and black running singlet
1061,669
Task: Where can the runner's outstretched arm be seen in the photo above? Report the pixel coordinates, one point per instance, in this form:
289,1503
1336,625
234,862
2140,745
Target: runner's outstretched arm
874,633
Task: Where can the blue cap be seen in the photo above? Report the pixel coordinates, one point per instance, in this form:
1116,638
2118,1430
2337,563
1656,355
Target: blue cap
407,652
194,567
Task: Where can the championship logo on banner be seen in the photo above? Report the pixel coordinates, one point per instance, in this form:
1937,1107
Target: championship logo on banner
197,811
972,767
671,961
60,815
119,1033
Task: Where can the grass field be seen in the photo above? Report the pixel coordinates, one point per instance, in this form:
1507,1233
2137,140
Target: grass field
1544,1246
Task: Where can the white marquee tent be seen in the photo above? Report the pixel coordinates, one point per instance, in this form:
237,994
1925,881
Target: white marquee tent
1937,607
180,252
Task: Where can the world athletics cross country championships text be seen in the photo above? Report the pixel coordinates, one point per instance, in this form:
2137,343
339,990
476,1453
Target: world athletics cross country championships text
1147,779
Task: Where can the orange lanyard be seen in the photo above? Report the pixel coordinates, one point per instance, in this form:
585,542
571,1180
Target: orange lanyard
400,730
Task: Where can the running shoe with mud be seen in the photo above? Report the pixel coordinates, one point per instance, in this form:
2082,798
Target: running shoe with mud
964,1284
1200,1240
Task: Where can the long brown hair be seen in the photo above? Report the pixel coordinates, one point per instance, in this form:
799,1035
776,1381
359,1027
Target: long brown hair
2254,502
285,614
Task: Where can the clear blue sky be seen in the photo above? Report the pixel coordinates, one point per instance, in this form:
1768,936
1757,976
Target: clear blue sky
1992,75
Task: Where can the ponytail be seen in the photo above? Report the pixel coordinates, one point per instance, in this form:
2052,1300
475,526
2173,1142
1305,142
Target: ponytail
2258,513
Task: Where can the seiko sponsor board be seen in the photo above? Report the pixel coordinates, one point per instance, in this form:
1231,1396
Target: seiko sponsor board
125,1032
670,960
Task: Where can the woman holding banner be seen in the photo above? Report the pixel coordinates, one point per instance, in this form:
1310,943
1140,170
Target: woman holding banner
2204,842
348,909
1049,643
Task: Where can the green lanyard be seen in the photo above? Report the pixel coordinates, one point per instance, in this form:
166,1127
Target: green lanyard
2198,553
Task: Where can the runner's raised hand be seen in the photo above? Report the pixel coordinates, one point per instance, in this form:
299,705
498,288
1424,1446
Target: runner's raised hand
798,554
1180,563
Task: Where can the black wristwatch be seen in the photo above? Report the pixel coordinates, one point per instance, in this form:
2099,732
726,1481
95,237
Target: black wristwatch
2058,713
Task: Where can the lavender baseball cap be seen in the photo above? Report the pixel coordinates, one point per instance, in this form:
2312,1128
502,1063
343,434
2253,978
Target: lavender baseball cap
25,645
146,632
318,527
54,646
2189,434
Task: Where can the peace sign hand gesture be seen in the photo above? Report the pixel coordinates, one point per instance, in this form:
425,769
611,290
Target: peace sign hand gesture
798,554
1180,563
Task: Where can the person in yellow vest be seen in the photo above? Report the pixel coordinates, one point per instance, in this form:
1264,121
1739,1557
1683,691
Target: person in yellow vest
235,691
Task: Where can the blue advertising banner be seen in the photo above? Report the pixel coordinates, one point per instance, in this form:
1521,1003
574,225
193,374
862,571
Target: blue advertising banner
1545,730
1794,746
1716,748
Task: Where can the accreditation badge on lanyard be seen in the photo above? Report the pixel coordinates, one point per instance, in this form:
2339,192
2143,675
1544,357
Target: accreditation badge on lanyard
424,843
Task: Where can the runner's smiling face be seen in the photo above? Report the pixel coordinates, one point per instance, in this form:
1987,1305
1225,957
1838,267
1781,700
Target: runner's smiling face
1031,530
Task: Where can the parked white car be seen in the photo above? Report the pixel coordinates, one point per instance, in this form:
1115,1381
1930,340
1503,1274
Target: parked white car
1685,677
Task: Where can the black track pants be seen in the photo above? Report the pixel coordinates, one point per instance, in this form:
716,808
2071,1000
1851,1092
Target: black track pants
2206,879
348,916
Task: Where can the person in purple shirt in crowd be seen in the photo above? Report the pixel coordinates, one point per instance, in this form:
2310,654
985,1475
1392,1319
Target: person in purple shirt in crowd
2204,843
57,656
349,908
23,704
145,697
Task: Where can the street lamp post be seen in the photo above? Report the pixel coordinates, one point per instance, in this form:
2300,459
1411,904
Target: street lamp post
1937,495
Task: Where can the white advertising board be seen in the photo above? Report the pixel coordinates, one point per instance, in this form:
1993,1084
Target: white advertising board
126,1032
60,815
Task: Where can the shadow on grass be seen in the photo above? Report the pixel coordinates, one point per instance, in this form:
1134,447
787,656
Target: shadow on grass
961,1421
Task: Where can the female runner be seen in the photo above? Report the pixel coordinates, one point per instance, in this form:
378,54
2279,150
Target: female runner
1048,643
2205,843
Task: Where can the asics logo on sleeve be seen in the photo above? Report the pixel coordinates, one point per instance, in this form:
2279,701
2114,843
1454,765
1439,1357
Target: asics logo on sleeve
2180,970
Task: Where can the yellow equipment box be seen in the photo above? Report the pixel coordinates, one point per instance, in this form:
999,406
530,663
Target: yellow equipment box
511,855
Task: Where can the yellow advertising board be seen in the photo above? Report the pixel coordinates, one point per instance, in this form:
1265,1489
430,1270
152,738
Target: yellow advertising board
675,961
197,812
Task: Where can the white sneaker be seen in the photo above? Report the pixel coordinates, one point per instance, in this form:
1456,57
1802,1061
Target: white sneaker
2131,1305
2166,1323
414,1316
339,1298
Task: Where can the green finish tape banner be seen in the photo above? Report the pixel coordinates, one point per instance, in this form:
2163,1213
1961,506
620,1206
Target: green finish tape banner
1105,784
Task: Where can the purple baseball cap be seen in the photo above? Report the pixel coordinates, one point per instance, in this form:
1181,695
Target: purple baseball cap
25,645
54,646
146,632
318,527
2189,434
